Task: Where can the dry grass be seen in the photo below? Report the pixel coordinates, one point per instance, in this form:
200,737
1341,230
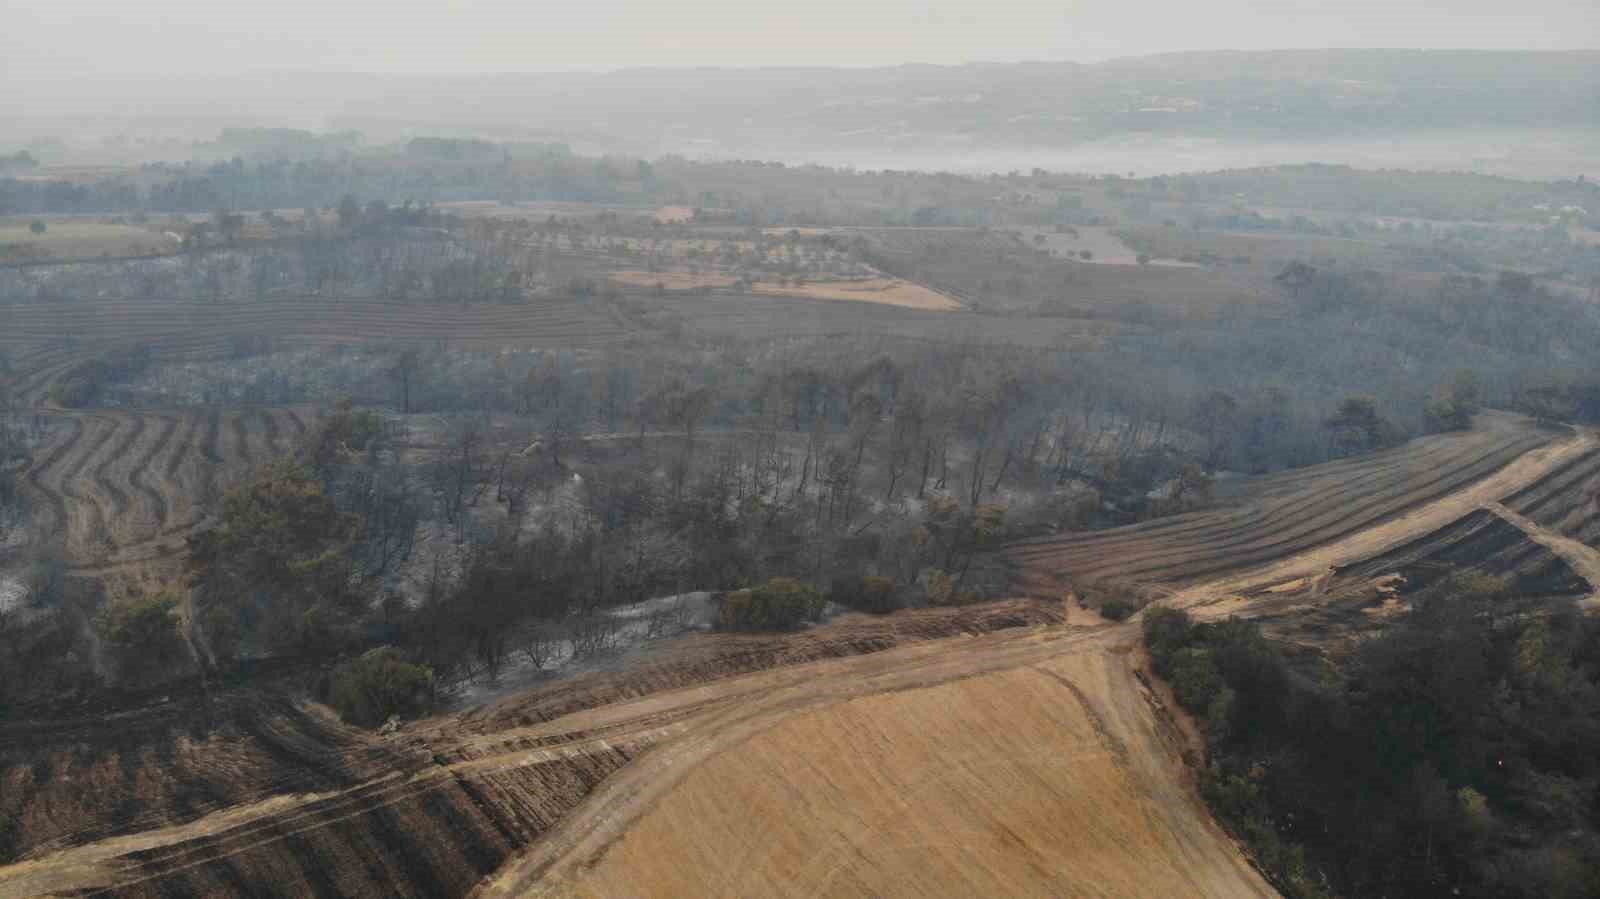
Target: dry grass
887,291
674,280
1105,248
882,290
81,240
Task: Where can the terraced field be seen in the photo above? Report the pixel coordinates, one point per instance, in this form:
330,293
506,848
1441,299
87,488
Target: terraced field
119,488
1275,517
122,488
1567,501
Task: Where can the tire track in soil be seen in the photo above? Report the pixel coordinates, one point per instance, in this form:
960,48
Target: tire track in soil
91,520
120,502
270,433
213,437
175,461
184,448
142,465
53,457
240,435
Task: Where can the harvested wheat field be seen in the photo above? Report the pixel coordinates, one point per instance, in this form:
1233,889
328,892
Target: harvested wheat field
1056,778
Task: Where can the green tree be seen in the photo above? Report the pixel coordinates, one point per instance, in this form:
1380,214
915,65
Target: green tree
779,604
1356,426
349,213
144,634
279,561
366,691
37,226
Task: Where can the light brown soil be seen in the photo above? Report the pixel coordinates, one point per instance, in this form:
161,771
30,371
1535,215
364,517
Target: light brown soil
1020,765
883,290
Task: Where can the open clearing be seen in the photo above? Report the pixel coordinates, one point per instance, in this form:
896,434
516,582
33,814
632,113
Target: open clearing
883,290
1103,246
1013,748
76,239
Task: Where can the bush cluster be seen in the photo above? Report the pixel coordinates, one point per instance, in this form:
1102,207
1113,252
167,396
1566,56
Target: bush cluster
367,690
1458,753
779,604
869,593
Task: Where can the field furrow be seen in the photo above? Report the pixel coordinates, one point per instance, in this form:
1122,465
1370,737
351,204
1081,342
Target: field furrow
159,510
1281,515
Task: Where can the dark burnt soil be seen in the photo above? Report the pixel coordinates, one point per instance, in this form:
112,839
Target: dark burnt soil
1333,614
75,778
1567,501
436,834
1482,542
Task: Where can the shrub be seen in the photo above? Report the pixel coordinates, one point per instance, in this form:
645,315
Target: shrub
143,634
1195,678
1117,609
1165,631
779,604
941,587
870,593
367,690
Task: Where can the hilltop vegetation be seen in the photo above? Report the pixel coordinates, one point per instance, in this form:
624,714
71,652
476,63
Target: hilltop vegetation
1453,755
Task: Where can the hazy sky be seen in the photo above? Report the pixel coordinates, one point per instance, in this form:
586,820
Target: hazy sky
52,38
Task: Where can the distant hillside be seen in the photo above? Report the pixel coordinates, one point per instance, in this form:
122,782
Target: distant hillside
1300,95
957,116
